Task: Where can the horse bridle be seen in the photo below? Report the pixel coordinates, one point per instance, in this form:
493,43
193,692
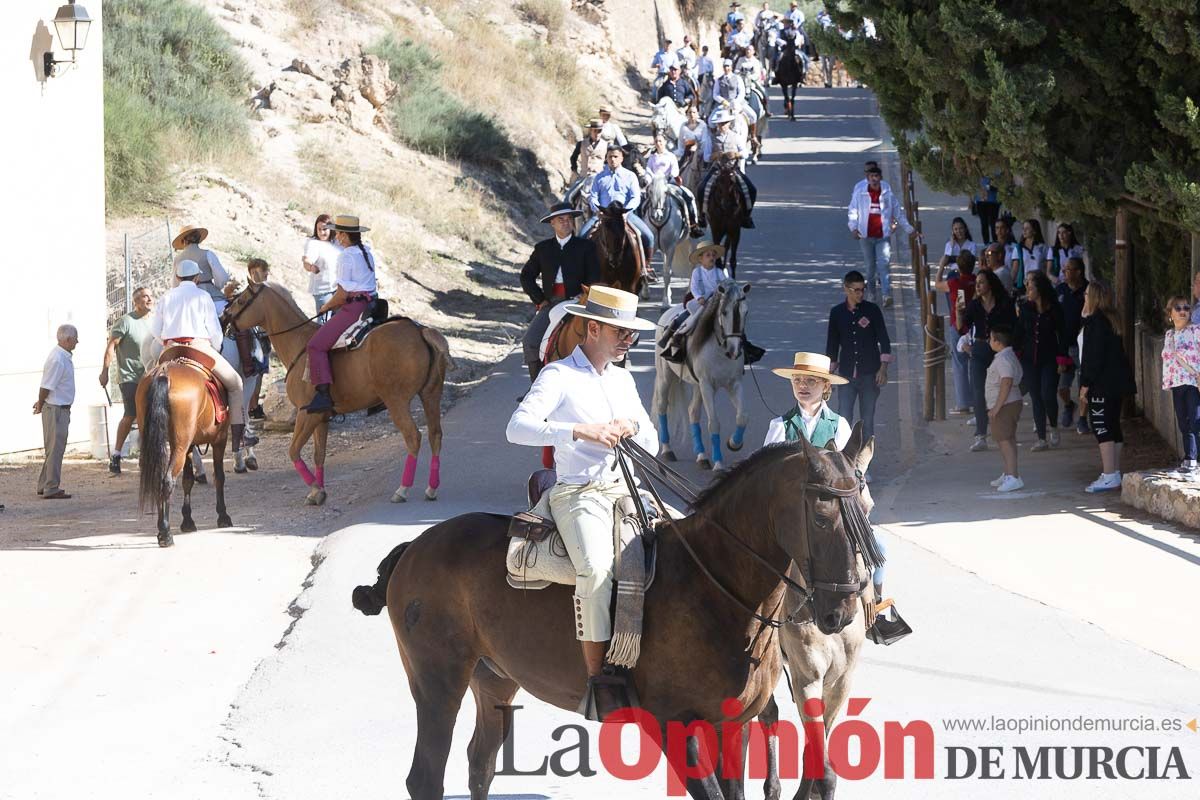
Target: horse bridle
629,449
739,329
231,321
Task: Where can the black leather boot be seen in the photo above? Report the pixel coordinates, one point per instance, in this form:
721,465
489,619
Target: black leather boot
322,401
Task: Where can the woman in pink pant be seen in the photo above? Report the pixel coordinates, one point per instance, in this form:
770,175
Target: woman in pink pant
356,288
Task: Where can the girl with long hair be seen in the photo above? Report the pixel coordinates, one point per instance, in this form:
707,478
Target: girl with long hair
990,306
1105,380
1043,350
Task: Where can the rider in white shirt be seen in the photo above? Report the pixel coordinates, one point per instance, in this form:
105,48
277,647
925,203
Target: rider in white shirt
186,315
610,130
662,162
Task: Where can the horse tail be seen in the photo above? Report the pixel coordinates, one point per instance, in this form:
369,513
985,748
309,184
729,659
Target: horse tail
154,463
370,600
440,361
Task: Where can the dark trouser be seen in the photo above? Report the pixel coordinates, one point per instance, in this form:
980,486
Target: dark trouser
1187,416
532,342
988,214
1041,382
981,359
1104,414
863,389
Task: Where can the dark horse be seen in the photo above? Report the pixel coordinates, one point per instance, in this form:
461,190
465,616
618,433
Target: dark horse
726,211
711,618
789,73
619,250
174,412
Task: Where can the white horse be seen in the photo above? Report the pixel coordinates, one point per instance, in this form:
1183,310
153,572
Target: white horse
667,119
662,213
715,360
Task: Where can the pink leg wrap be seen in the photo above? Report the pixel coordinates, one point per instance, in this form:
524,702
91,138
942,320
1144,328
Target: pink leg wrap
321,477
410,471
302,470
435,472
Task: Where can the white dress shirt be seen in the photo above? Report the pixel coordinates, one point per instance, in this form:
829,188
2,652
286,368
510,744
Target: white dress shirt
570,392
186,312
704,282
58,376
777,432
699,134
354,274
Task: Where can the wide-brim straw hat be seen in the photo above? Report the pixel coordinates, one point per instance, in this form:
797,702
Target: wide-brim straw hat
561,209
722,115
703,247
611,306
815,364
595,124
604,110
177,242
347,224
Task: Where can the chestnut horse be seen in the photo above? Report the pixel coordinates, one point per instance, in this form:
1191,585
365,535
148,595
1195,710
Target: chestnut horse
175,412
726,212
709,635
399,360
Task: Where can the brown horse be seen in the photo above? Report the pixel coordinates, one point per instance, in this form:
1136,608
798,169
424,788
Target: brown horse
726,211
707,638
174,412
398,361
619,250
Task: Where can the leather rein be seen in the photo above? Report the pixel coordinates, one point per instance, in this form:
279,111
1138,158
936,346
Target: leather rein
630,451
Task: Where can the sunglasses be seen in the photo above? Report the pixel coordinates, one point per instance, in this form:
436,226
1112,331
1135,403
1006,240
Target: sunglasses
1184,307
624,334
856,289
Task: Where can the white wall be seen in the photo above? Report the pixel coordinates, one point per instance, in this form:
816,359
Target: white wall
52,211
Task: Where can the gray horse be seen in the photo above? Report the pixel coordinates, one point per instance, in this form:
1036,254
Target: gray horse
662,213
715,360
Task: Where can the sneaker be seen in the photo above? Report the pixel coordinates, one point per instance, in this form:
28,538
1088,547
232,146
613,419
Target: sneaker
979,445
114,465
1107,482
1055,439
1039,446
996,483
1081,426
257,413
1068,415
1010,484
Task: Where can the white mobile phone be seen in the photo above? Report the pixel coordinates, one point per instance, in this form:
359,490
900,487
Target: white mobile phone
962,296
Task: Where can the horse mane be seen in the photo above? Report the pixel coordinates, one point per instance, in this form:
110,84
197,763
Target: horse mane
718,493
283,292
706,322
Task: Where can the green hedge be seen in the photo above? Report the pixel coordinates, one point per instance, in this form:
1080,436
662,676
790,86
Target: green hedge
172,80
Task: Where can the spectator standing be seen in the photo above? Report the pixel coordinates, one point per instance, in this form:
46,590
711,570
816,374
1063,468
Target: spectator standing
1196,299
1071,297
858,346
125,344
1004,404
960,282
873,214
55,397
258,272
991,306
1031,252
1181,376
1043,355
994,260
986,206
320,260
1105,380
1012,250
1066,247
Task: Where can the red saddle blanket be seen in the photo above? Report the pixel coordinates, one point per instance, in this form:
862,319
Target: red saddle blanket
203,363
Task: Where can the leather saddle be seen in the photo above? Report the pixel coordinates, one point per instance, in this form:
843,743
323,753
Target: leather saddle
203,363
373,316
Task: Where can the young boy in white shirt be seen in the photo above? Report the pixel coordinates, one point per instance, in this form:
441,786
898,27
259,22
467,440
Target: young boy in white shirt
1004,405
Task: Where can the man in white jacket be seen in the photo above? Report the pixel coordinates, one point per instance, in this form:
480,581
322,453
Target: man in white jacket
873,214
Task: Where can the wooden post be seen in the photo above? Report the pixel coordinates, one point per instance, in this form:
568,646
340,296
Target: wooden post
1195,256
1123,274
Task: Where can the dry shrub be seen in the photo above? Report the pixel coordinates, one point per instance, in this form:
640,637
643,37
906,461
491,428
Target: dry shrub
550,14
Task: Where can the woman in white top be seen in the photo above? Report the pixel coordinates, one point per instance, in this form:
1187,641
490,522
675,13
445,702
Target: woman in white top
663,163
1066,247
320,260
706,277
1031,251
694,138
356,289
960,240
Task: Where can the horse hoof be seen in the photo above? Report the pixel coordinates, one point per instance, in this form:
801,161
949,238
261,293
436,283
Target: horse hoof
431,493
669,455
224,522
718,466
703,462
401,495
240,471
202,479
733,445
316,497
252,463
187,527
165,539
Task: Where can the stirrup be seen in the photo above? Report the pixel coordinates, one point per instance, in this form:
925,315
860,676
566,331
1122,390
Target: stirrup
888,631
607,693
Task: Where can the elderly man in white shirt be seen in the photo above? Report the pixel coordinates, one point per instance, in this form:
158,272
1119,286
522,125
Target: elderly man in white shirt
55,396
582,406
186,315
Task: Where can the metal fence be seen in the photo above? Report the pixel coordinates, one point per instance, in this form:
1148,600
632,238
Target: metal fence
145,261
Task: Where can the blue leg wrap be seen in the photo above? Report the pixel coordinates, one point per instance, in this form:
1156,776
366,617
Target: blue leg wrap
738,435
697,439
664,430
716,446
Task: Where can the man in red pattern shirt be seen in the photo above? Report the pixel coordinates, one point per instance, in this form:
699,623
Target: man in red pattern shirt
873,214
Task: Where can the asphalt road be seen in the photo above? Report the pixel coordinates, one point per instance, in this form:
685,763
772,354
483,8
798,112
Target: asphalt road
328,714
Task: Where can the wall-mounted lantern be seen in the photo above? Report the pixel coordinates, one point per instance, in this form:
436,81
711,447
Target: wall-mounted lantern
72,24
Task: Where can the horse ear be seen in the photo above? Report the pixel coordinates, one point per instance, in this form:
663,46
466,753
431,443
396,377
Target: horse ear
859,452
721,288
746,289
854,443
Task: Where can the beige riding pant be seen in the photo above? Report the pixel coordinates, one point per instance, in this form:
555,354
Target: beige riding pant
584,515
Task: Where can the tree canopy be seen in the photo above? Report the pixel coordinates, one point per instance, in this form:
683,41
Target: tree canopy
1069,105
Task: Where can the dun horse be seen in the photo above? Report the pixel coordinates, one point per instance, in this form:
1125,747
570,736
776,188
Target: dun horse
726,211
174,412
398,360
459,625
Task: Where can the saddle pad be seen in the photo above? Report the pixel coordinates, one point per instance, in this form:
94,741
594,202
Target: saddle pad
217,393
354,336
